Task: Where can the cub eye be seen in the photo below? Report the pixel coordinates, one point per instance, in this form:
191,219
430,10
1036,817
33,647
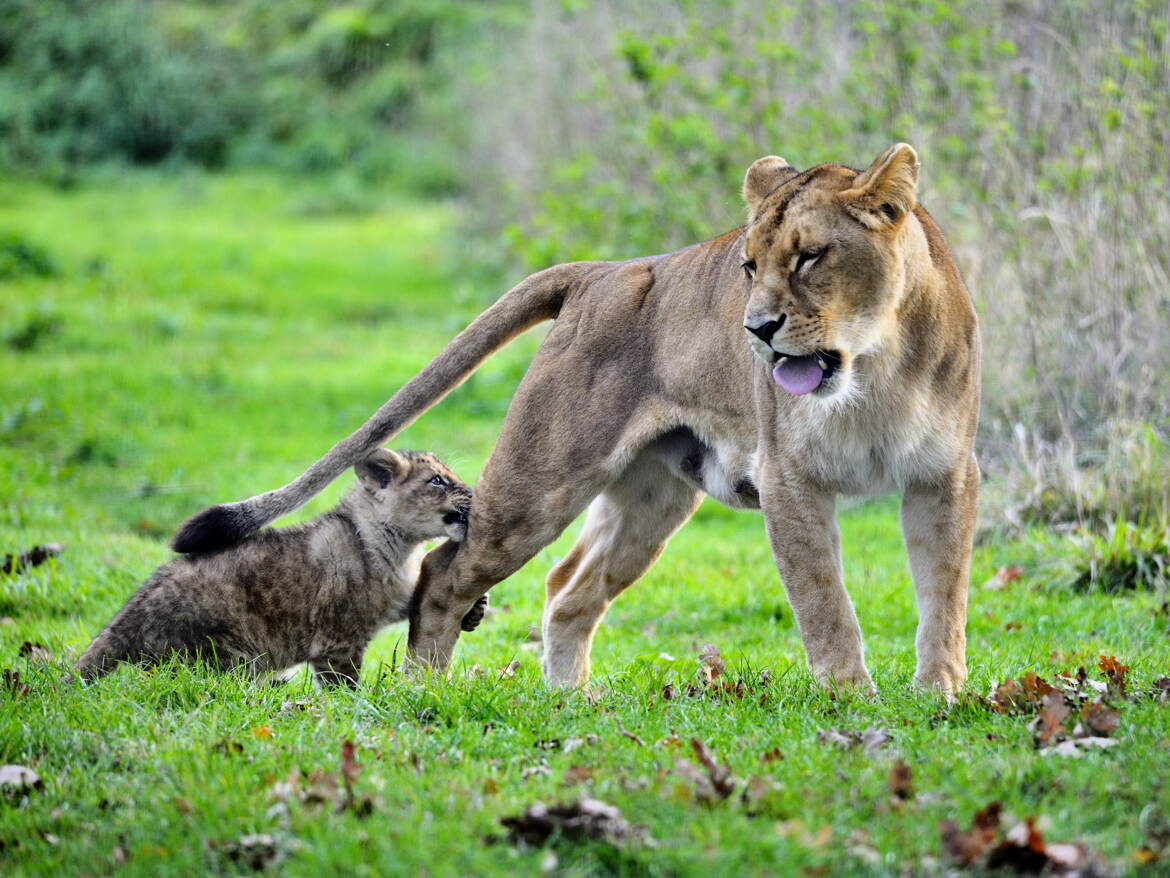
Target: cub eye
749,268
807,259
436,480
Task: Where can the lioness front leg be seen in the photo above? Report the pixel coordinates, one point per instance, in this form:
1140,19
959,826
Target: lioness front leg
938,525
802,529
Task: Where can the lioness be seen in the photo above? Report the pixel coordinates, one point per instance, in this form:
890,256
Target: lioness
828,347
315,593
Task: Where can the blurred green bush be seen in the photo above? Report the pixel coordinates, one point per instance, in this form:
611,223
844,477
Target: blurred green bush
298,84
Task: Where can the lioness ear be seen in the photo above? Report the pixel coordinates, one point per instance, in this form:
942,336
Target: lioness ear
887,190
380,468
762,178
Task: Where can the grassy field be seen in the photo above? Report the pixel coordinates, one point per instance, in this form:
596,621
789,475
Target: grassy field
203,338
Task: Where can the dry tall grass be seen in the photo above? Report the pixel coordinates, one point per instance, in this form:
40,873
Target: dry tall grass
612,129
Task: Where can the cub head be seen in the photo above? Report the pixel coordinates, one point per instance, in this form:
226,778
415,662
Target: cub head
416,493
824,254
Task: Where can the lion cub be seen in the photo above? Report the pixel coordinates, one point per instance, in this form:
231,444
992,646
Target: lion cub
317,592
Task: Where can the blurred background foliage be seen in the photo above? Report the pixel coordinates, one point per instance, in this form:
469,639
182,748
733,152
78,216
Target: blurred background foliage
586,129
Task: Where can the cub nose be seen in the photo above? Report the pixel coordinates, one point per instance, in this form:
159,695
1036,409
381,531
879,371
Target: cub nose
766,330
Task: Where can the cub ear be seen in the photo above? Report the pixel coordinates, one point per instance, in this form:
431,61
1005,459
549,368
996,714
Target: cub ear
380,468
887,190
762,178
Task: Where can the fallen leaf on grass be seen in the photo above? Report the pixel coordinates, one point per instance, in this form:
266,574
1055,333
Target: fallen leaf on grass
322,787
35,652
510,669
571,744
1098,719
1114,672
18,780
901,782
1161,689
870,740
256,852
262,731
13,683
1004,577
34,557
714,782
773,755
632,737
1021,849
577,774
1074,698
1075,747
711,663
965,847
1049,723
585,819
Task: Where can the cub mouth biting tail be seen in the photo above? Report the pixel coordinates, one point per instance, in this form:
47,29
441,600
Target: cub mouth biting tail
827,347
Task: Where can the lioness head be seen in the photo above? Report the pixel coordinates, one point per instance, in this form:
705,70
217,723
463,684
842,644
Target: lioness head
416,493
824,256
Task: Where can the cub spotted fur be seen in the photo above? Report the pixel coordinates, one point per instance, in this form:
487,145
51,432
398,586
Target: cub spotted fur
317,592
827,347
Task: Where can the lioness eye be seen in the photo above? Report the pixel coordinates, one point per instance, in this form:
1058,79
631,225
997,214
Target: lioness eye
436,480
749,268
807,259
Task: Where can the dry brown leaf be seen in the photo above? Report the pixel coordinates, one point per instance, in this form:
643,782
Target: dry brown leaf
632,737
1021,849
34,557
577,774
12,682
256,852
773,755
711,663
585,819
966,847
1114,672
1160,689
18,780
510,669
1049,723
35,652
719,777
1004,577
870,740
901,781
1099,720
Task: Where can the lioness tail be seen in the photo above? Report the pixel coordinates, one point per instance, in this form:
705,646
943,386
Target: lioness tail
534,300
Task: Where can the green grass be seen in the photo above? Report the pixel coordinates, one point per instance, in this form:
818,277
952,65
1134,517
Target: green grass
204,339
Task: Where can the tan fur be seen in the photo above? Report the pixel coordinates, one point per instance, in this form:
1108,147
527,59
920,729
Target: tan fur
648,392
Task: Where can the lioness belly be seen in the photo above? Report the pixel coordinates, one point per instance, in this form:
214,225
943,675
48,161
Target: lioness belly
725,471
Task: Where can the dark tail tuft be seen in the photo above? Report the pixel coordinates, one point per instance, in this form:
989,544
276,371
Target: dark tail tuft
216,527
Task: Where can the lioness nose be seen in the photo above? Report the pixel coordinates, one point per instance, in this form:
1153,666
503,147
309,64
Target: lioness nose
766,330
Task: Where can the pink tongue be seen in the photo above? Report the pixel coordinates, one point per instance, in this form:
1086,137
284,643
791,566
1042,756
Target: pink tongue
798,375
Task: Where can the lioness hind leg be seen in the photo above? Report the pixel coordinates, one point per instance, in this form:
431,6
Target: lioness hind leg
625,531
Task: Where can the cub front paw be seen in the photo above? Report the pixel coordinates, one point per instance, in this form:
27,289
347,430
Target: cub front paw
475,615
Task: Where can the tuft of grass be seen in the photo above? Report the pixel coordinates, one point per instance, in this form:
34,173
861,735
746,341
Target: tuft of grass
21,257
1126,557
